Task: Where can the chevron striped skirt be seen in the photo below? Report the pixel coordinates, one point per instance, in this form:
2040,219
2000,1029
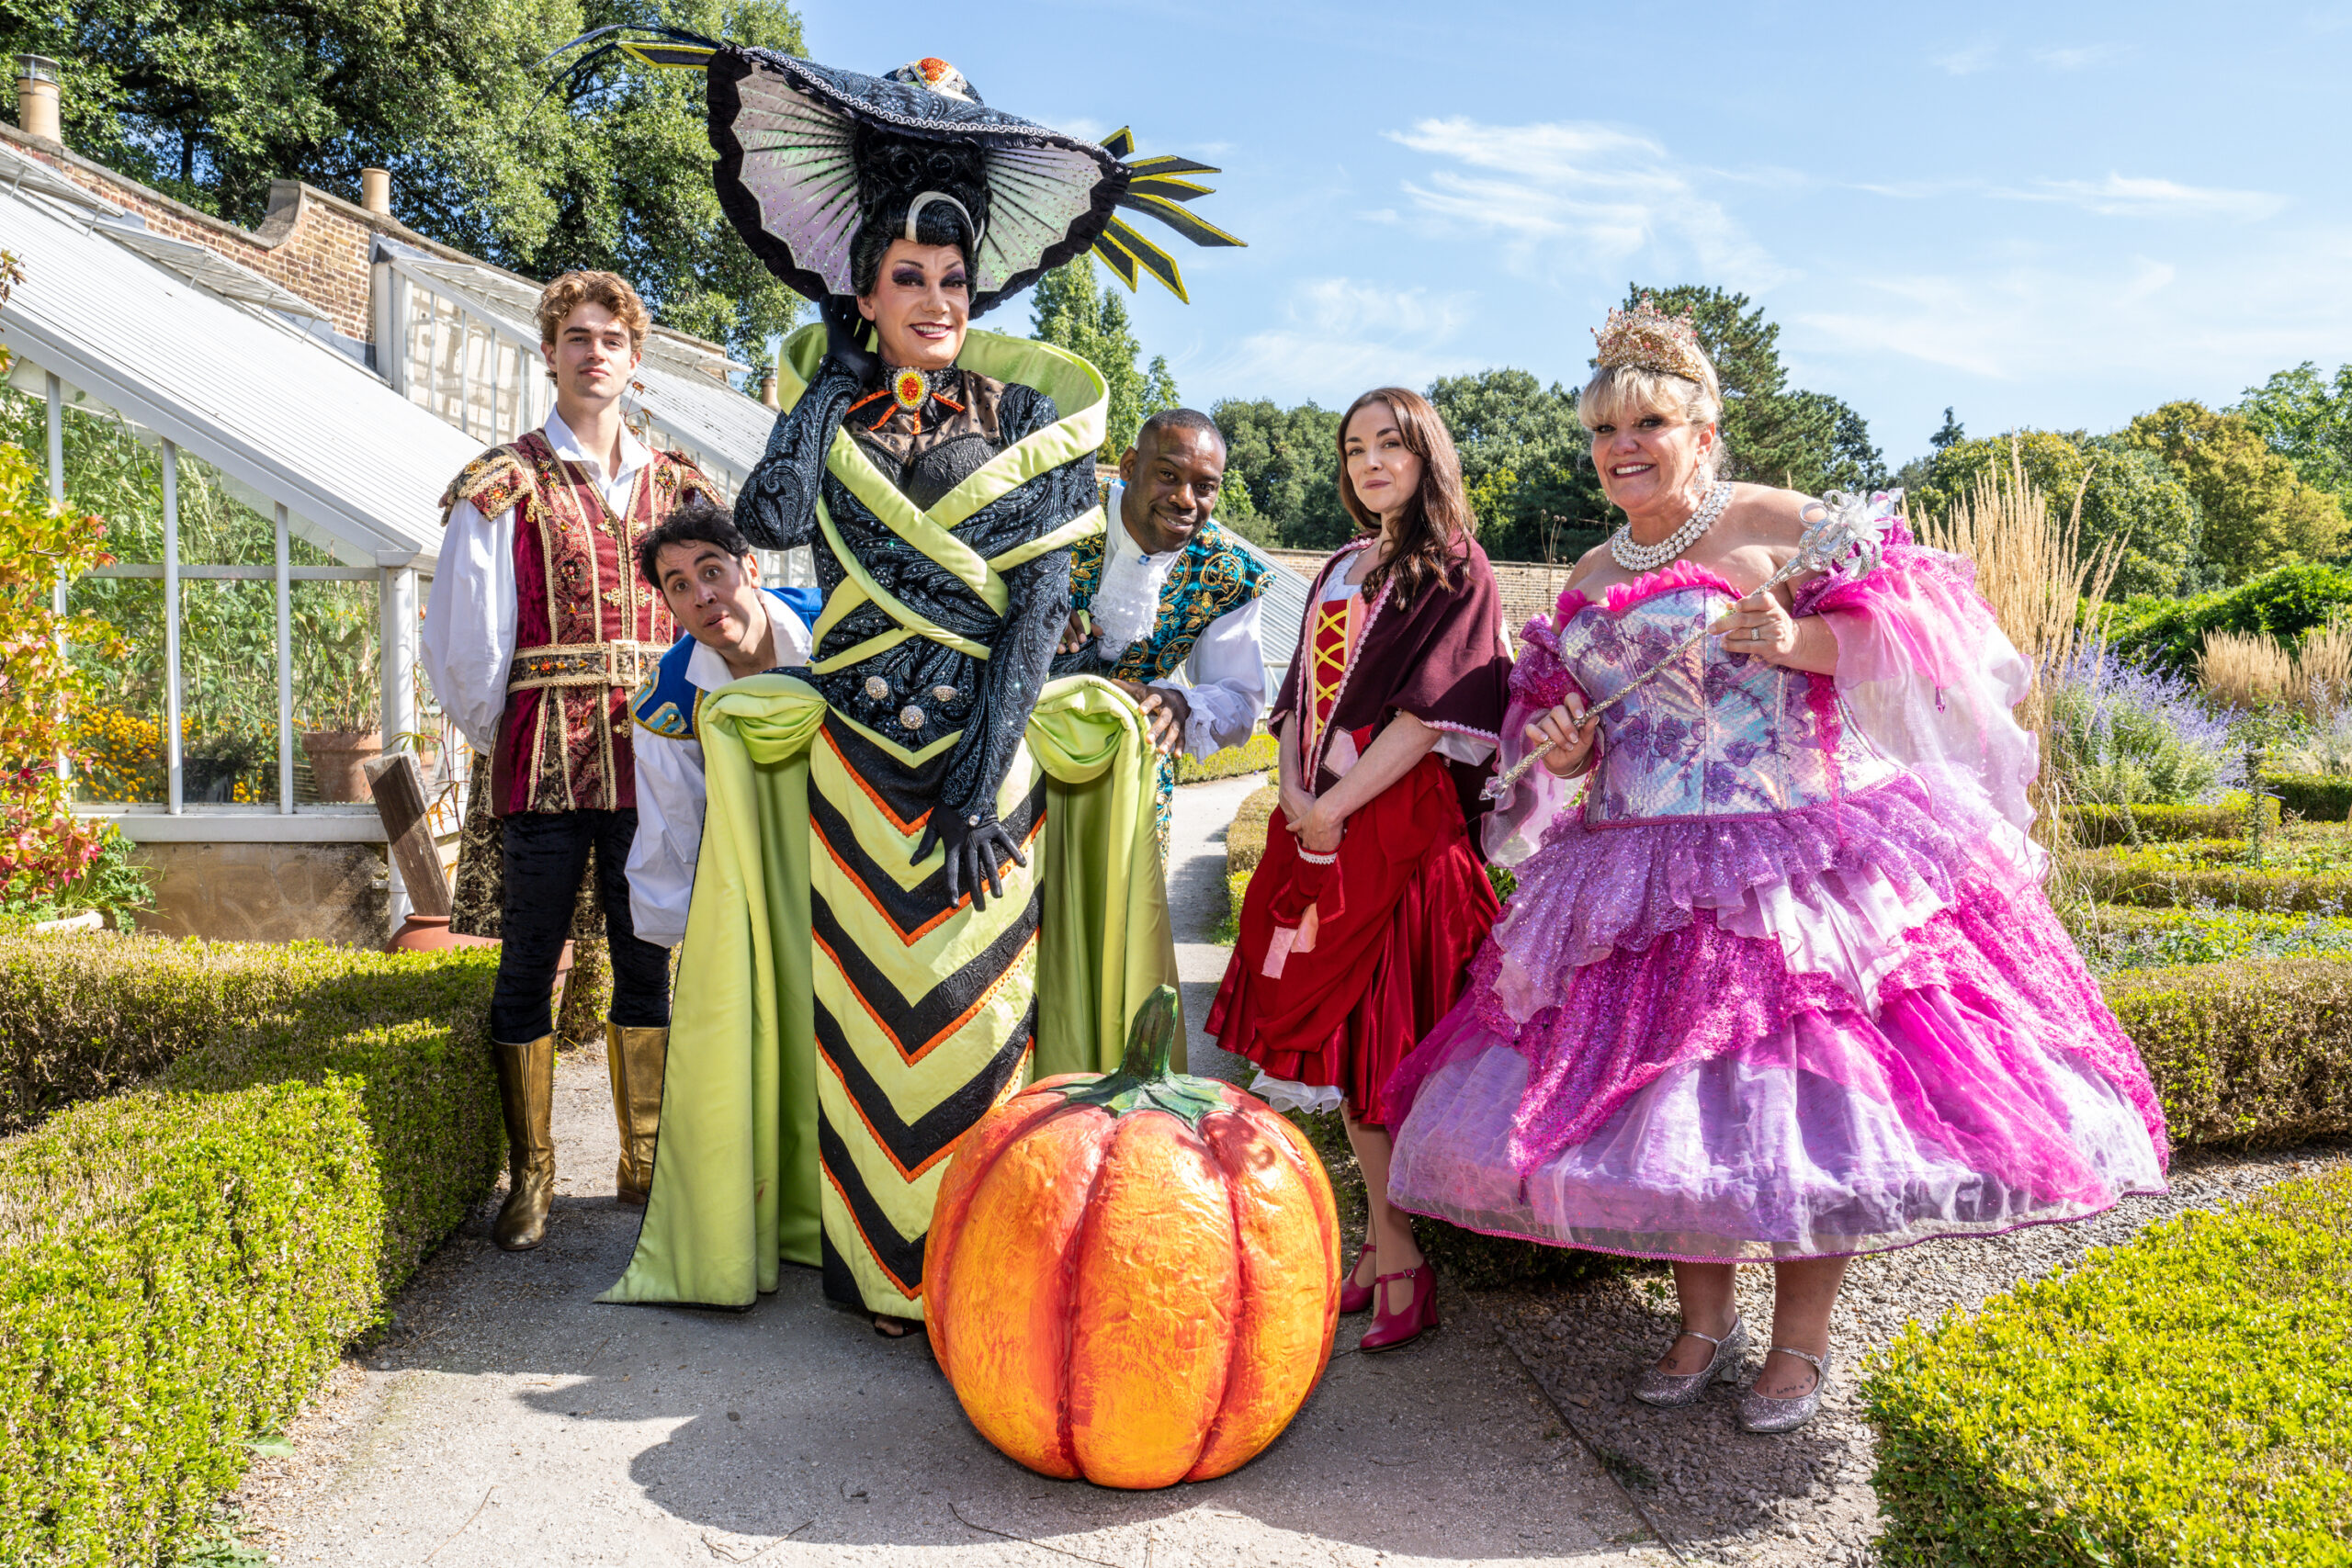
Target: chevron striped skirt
924,1009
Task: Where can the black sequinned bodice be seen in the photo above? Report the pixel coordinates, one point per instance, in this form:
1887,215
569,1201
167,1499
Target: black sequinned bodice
919,690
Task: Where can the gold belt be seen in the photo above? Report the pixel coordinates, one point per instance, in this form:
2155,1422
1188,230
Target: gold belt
625,664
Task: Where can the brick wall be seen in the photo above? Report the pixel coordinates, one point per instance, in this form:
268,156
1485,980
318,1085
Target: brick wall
311,243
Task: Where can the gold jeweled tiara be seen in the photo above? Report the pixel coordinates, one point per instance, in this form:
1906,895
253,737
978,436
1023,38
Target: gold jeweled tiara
1647,337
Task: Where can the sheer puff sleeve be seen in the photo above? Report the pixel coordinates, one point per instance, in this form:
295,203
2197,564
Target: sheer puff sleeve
1516,827
1925,671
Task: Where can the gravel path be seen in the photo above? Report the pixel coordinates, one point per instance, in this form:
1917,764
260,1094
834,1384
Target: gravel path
1723,1496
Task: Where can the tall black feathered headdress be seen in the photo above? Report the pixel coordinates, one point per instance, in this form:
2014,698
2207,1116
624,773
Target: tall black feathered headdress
808,156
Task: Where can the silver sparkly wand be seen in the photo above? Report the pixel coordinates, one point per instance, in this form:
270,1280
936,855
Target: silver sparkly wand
1845,532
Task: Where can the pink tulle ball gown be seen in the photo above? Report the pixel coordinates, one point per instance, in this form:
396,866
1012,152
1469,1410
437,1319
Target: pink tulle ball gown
1782,983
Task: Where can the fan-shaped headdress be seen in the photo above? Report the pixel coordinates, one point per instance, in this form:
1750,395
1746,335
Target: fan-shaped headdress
810,156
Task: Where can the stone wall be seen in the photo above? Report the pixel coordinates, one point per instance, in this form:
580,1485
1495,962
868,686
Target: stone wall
1528,588
269,892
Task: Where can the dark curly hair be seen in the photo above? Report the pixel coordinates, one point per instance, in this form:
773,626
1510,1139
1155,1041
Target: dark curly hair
698,520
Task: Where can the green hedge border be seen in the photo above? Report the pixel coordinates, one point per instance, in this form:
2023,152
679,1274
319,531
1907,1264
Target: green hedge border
2254,1051
2314,797
182,1263
2095,827
2119,875
2182,1400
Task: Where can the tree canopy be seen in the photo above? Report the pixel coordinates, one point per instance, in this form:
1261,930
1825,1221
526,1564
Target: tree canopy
1071,309
1524,464
210,100
2308,420
1288,461
2132,496
2259,512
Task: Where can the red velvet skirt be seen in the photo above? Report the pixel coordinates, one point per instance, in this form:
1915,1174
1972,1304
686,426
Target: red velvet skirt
1398,917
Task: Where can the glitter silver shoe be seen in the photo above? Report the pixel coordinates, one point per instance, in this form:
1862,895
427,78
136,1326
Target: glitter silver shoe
1668,1389
1762,1412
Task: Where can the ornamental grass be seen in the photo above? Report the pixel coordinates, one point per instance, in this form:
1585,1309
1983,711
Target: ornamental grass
2183,1401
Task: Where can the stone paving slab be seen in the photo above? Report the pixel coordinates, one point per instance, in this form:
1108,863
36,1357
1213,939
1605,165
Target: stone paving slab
506,1418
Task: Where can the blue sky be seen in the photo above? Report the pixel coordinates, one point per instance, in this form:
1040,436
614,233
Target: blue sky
2043,215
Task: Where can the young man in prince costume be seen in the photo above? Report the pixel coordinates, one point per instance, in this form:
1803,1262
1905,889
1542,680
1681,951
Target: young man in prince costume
928,869
536,631
1164,593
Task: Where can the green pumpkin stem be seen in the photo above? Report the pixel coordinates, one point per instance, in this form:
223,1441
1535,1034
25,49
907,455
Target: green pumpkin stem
1151,1037
1143,1081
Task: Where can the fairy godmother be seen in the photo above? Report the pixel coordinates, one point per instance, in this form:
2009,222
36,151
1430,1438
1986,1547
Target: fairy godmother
1779,983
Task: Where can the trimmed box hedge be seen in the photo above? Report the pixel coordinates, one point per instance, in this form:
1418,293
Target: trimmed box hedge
2097,825
2185,1400
2314,797
1254,755
2199,871
2252,1052
180,1265
1245,840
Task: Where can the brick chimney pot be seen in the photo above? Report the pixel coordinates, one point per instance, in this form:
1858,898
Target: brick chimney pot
376,190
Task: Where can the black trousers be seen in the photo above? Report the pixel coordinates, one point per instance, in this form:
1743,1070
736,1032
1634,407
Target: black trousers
545,853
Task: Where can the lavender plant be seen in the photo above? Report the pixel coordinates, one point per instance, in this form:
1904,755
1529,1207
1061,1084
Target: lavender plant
2122,735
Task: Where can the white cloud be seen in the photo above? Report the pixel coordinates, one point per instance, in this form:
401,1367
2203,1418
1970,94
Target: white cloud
1968,59
2120,196
1340,335
2042,323
1608,194
2079,57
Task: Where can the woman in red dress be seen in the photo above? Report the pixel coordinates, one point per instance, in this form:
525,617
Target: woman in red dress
1360,922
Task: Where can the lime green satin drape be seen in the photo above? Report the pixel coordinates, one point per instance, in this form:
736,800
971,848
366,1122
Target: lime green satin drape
735,1174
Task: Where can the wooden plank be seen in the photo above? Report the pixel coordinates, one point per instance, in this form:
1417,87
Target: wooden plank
399,789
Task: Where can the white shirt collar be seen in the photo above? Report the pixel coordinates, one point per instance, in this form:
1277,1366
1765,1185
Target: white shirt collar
706,668
1118,541
635,454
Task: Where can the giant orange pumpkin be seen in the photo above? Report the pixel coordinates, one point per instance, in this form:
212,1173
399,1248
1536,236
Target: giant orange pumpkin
1133,1279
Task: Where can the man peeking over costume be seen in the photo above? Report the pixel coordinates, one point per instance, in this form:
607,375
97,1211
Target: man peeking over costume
705,570
1166,604
537,631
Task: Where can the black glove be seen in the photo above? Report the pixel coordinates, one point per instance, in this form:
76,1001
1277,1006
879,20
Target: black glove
842,327
975,849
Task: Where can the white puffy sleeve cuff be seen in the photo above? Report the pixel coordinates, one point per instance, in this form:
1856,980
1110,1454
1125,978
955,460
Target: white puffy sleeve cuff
469,640
1224,682
669,836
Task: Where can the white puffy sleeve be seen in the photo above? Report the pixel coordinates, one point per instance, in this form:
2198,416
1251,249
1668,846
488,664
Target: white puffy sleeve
669,836
468,641
1224,682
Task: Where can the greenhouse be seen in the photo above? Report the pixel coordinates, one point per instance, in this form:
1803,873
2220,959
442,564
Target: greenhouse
272,507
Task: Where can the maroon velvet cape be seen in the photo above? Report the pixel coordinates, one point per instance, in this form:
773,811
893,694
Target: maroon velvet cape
1404,907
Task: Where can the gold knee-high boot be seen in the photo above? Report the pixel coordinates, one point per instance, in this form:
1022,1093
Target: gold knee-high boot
526,1095
636,1057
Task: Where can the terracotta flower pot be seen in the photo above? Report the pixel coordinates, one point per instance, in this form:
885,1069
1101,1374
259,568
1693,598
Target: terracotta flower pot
431,933
336,756
1133,1279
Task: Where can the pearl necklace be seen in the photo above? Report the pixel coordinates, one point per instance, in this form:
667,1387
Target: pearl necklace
1649,557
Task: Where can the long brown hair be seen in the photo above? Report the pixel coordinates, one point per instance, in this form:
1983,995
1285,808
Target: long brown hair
1439,513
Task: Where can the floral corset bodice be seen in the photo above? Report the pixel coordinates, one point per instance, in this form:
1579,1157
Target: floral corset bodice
1716,733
